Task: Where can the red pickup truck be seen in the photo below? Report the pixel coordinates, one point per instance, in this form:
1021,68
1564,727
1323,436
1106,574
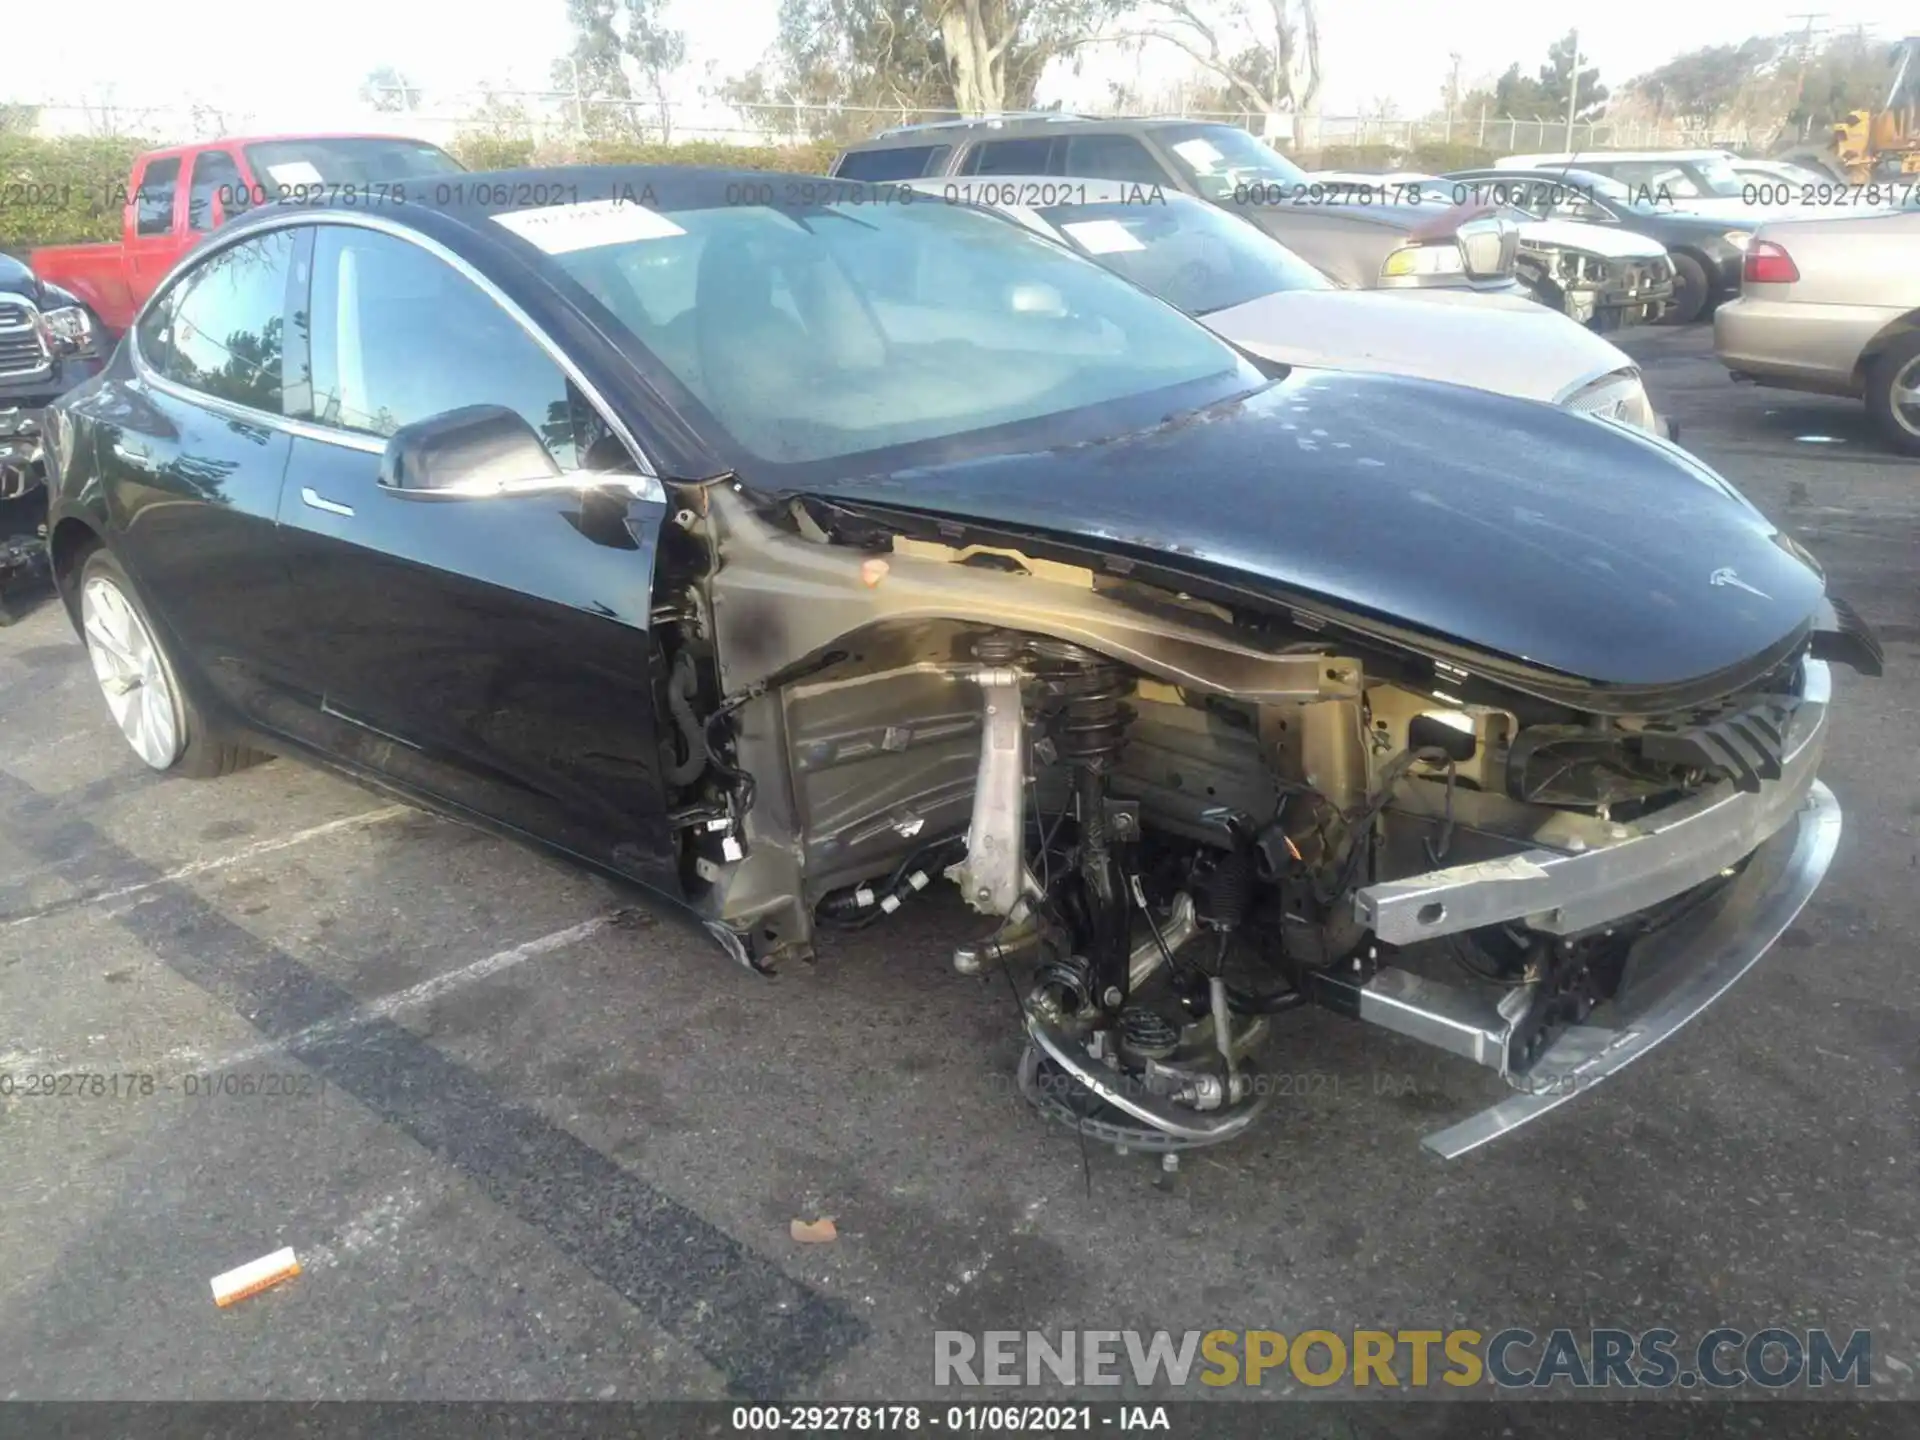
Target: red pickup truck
179,194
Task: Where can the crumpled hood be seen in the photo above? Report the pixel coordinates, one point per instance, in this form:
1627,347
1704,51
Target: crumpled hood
1517,348
1501,525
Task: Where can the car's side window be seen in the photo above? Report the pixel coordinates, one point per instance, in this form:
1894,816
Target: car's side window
223,331
1652,175
153,201
215,176
903,162
153,336
398,335
1010,157
1113,157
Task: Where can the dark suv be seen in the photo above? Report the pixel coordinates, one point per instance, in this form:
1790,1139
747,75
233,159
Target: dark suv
49,342
1362,238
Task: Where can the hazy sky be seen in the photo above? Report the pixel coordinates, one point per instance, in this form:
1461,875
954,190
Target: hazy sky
245,55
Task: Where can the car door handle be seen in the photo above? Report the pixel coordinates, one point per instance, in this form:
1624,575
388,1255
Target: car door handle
320,502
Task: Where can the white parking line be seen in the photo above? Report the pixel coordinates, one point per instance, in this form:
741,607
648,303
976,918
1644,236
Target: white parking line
220,862
413,995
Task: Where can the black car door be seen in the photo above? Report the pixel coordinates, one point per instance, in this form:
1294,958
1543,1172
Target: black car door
493,651
192,456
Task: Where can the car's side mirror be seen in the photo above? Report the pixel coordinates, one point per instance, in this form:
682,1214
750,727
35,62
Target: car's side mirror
475,450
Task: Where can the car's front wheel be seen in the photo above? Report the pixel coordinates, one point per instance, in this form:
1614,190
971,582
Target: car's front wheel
1689,291
1893,393
139,683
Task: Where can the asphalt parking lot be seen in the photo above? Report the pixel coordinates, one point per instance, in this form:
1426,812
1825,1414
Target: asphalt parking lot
529,1143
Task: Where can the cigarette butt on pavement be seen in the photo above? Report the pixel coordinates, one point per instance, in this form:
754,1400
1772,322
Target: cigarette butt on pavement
813,1232
254,1276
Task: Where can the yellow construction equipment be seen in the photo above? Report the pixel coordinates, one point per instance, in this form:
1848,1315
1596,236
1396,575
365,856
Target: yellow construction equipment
1880,144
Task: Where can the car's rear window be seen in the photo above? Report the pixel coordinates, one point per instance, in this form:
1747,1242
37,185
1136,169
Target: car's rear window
291,164
905,162
1195,257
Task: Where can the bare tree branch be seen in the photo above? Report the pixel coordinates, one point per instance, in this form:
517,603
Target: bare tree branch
1224,69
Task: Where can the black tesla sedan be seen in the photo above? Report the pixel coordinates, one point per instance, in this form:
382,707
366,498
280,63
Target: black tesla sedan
780,544
1707,250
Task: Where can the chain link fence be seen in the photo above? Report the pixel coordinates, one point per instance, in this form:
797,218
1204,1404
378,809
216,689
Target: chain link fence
548,119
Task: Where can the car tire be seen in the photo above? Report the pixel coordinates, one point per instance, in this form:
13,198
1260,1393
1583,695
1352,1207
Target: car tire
1690,291
139,681
1893,371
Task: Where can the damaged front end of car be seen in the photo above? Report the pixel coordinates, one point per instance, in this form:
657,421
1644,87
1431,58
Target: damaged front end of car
1603,292
1184,809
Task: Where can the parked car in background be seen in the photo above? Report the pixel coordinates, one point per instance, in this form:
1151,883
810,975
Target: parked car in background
1700,182
1777,172
1833,306
1705,250
1603,278
49,342
1361,246
176,196
1788,189
781,552
1246,286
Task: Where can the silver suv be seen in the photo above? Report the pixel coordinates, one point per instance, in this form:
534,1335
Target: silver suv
1364,238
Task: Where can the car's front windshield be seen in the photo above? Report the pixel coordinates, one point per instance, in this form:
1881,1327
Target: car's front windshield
346,160
1566,187
1193,256
1220,160
818,333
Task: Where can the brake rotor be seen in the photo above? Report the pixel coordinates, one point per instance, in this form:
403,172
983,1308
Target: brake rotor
1062,1097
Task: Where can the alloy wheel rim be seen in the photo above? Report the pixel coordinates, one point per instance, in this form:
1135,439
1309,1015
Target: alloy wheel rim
132,676
1906,396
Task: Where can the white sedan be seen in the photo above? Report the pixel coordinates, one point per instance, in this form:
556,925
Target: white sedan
1252,290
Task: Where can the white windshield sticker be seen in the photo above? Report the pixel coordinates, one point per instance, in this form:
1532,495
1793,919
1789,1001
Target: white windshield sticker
562,229
296,172
1201,154
1102,237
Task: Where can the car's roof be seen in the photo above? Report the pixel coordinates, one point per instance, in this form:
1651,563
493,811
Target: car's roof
1043,192
1373,177
1541,173
234,142
940,132
483,193
1843,221
1563,157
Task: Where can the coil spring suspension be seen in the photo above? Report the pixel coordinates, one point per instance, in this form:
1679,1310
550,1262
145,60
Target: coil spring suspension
1089,716
1086,723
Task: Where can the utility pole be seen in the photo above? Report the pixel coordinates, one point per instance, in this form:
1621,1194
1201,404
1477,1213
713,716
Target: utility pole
1573,91
1453,93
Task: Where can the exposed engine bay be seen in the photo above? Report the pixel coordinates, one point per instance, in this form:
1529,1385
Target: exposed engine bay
1180,817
